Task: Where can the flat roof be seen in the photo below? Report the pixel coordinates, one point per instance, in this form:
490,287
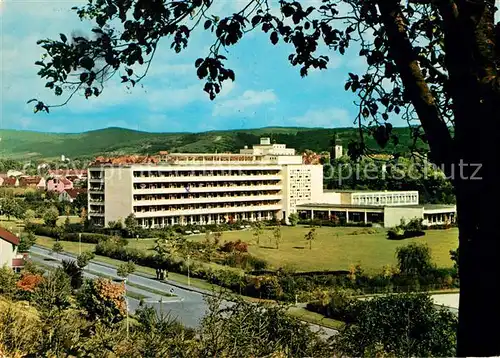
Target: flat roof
340,206
354,206
367,191
439,206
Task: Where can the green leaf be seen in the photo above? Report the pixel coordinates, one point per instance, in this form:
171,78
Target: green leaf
207,24
63,38
58,91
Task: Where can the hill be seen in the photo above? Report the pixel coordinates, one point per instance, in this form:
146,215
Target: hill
16,144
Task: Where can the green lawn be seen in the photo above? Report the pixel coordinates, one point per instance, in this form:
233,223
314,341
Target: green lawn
334,248
337,248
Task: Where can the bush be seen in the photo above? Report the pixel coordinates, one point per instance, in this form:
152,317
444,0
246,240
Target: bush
89,238
41,230
231,246
257,263
340,223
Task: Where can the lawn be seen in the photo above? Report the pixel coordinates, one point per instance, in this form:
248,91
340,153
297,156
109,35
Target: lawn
335,248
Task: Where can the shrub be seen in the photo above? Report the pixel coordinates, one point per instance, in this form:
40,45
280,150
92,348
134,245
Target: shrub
41,230
231,246
89,238
336,223
257,263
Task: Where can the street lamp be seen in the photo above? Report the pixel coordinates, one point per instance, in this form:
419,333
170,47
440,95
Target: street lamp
189,279
80,243
124,280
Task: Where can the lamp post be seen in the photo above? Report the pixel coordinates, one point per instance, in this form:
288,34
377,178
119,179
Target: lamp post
126,304
80,243
189,279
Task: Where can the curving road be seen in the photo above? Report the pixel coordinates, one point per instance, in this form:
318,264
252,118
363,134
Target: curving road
188,306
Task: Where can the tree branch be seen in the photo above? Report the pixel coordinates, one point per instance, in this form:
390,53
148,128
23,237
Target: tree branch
417,89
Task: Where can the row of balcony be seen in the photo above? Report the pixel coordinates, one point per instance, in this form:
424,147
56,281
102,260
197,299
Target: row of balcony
203,173
225,178
212,210
228,199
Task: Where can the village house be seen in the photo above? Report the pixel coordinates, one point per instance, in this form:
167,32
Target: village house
69,195
32,182
8,251
9,182
59,184
65,173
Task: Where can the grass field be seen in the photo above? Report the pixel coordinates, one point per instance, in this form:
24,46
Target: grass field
333,249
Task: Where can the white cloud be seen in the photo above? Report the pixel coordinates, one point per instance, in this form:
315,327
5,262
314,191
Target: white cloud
328,118
248,101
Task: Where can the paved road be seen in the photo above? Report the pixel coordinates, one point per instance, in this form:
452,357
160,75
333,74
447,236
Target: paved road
188,306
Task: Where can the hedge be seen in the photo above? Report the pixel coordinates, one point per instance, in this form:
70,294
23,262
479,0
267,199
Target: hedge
318,222
58,234
89,238
392,235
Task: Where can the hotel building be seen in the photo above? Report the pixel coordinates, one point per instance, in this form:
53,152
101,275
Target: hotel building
261,183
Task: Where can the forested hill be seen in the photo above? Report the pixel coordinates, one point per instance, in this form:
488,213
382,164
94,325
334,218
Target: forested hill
17,144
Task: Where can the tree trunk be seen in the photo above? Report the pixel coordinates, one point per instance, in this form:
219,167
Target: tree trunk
478,196
479,269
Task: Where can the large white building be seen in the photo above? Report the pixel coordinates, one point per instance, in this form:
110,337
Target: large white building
264,182
261,183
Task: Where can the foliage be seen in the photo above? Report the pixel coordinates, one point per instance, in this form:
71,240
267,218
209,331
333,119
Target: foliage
84,258
26,241
8,281
29,215
53,291
50,216
11,207
161,336
19,333
125,269
277,236
413,228
257,231
310,236
337,304
102,300
57,247
414,259
131,226
74,272
294,219
248,330
28,282
231,246
398,325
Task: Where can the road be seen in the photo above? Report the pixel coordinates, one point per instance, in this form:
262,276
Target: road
188,305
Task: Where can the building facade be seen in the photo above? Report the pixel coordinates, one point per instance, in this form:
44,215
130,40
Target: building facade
261,183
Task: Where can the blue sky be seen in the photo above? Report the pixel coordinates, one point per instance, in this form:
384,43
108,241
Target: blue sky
268,91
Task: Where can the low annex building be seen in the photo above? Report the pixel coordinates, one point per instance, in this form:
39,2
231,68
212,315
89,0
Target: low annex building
386,208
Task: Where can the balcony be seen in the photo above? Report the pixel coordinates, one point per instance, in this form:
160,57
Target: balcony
206,178
223,199
209,189
224,210
96,213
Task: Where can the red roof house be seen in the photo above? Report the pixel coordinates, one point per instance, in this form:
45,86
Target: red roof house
8,250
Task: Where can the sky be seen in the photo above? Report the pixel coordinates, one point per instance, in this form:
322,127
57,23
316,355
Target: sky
268,90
